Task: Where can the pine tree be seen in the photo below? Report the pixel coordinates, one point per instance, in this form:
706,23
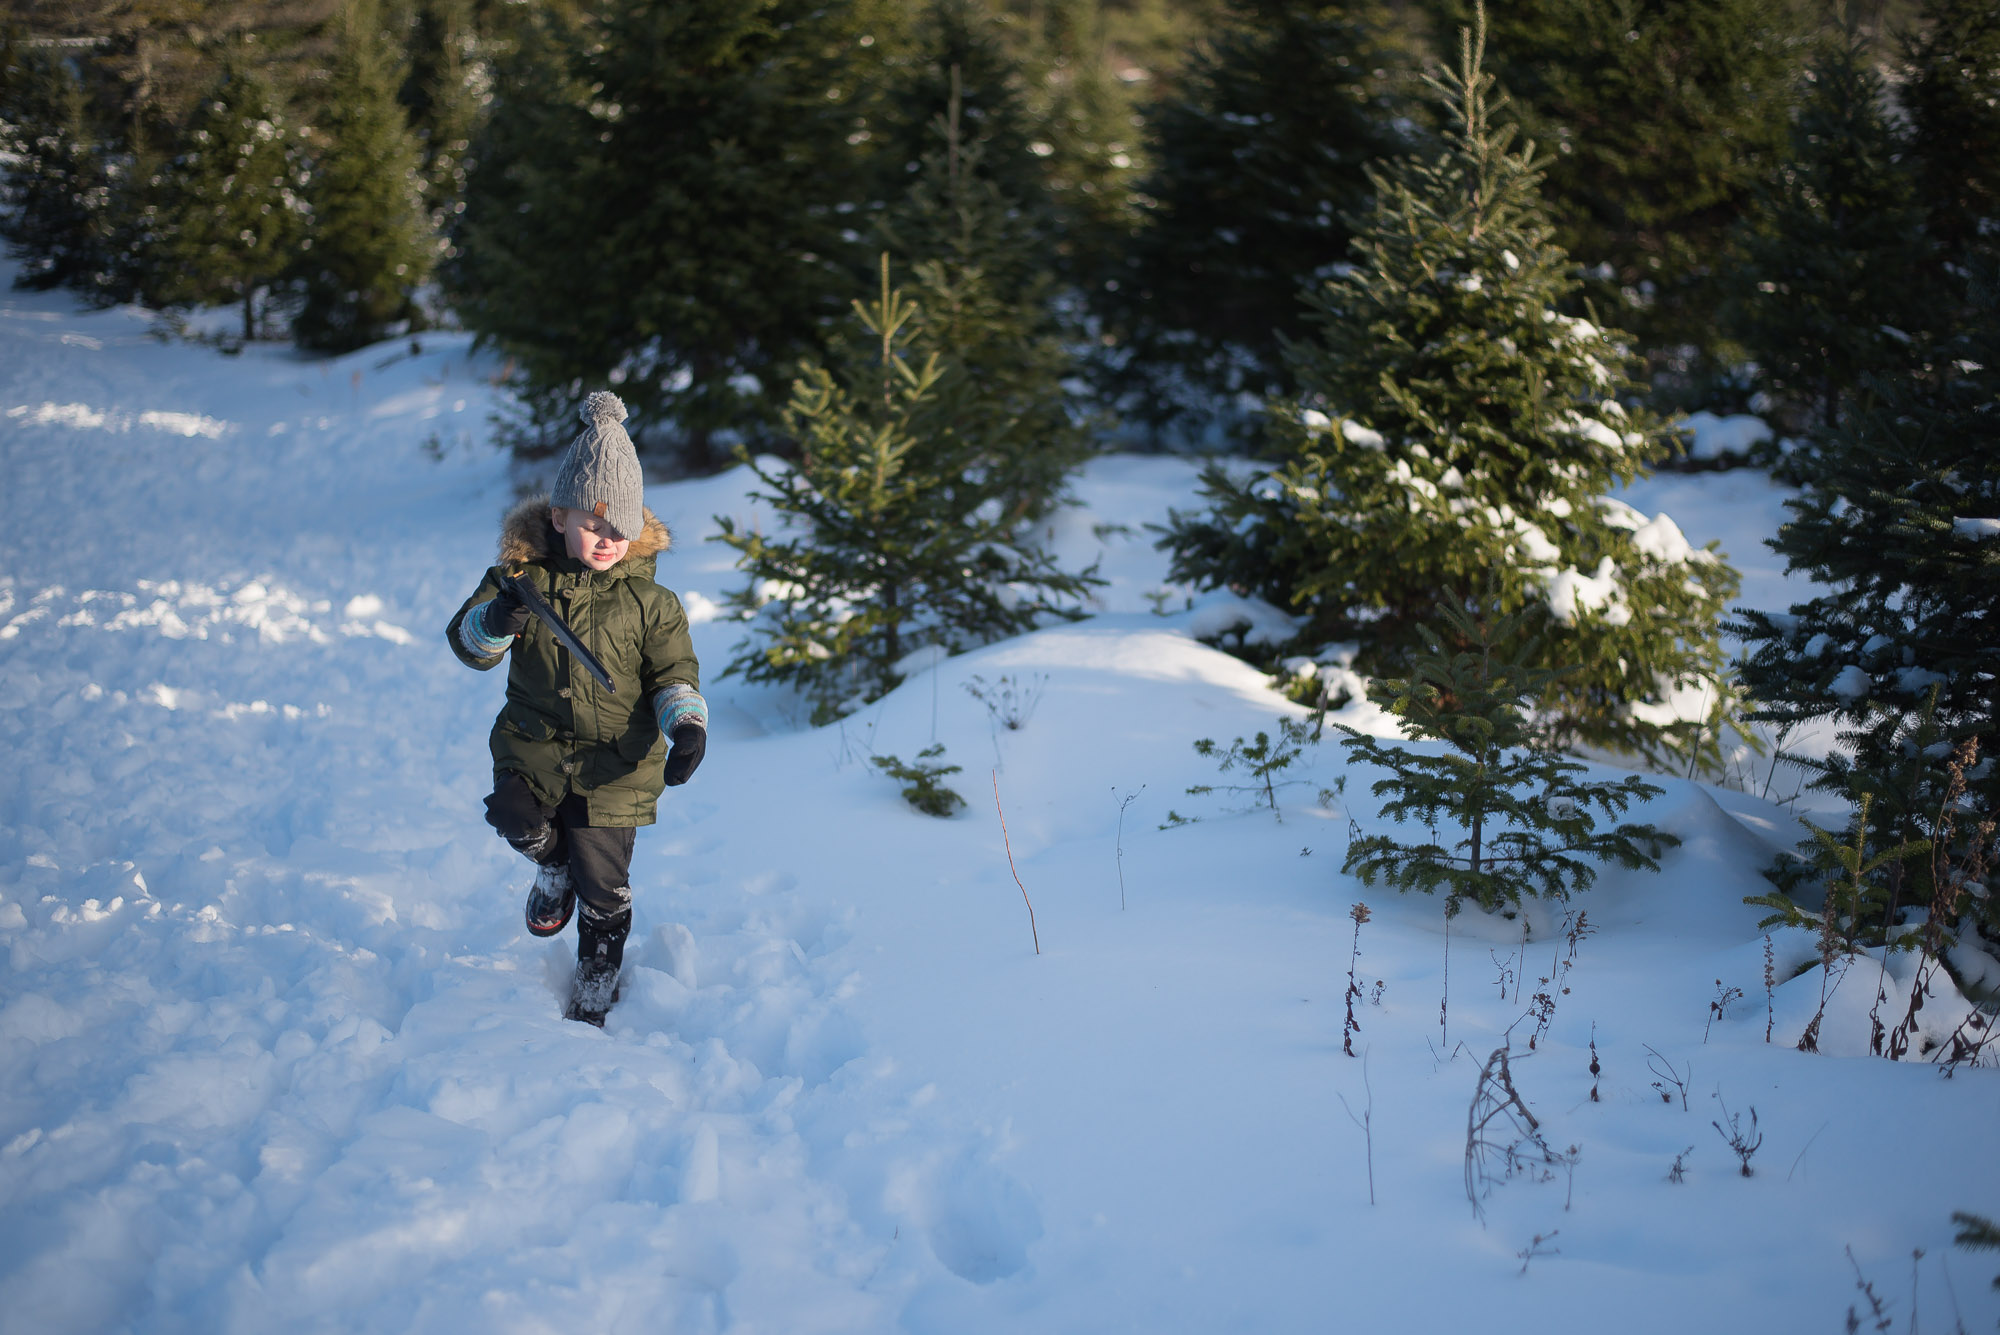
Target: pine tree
370,242
441,92
1659,120
1517,816
1898,525
958,50
56,187
1088,143
1454,442
1257,161
987,305
893,536
232,208
667,201
1950,91
1830,282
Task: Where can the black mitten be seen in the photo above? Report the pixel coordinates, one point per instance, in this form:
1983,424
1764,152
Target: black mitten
506,615
690,742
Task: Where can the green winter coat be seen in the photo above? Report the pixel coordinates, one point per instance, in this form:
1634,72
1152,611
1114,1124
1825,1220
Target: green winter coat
559,729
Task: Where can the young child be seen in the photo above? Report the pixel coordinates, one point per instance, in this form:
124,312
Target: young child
577,769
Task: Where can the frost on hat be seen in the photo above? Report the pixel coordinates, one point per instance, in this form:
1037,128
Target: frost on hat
600,473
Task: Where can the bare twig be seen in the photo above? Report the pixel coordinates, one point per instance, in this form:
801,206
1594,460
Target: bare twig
1535,1248
1802,1149
1366,1121
1123,802
1669,1076
1770,986
1497,1127
1009,845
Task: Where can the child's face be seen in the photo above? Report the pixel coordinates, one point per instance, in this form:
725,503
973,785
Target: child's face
590,540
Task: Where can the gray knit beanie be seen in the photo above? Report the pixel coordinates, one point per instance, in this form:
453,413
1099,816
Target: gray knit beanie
600,473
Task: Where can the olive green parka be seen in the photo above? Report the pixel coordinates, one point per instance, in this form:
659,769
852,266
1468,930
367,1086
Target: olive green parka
559,729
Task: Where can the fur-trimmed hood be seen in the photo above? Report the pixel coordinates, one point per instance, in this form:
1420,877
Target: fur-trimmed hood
527,535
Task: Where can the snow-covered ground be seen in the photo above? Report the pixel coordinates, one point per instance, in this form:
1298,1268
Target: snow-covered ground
275,1053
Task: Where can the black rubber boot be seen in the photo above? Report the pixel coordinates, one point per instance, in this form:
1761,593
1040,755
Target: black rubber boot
551,900
600,952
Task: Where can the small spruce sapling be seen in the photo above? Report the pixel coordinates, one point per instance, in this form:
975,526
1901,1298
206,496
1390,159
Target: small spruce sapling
923,786
1524,811
1263,759
1977,1233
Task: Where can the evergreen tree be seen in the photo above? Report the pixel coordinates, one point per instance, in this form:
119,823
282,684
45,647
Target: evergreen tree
1455,438
370,243
1898,526
56,187
1518,816
667,202
441,93
1088,141
1257,161
1951,93
958,51
987,305
232,208
1659,119
894,536
1830,283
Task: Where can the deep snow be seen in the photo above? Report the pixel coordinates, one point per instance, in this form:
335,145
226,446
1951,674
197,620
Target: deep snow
275,1052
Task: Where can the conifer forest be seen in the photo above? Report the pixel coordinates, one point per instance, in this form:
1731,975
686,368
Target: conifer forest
1414,291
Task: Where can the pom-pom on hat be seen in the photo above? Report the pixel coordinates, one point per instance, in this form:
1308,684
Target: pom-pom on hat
600,474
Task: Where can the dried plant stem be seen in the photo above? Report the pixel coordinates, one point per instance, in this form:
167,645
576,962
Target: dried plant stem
1366,1122
1008,844
1770,986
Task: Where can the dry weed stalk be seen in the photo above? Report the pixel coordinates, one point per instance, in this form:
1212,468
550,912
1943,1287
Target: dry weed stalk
1502,1137
1669,1076
1352,1026
1366,1122
1575,927
1009,845
1951,881
1719,1008
1770,987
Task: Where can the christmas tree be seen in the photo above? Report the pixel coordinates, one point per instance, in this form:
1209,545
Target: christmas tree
370,242
1658,120
1518,816
666,198
232,207
56,188
1257,160
441,91
1830,283
986,299
1455,438
894,537
1950,92
1899,524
